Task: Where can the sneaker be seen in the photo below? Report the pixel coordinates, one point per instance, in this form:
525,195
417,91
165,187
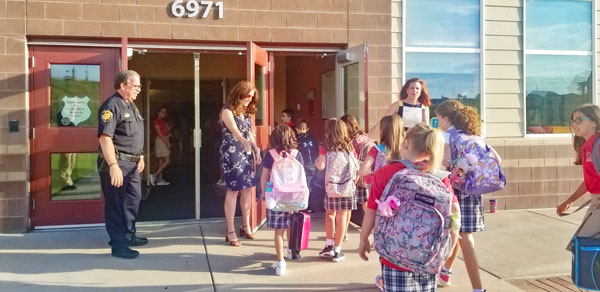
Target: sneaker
444,278
280,268
292,256
327,252
152,180
289,254
338,257
379,282
162,182
346,236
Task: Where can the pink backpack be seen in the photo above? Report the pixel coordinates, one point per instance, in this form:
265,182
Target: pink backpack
416,236
380,158
290,190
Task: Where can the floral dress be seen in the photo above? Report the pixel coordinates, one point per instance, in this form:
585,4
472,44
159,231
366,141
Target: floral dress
238,166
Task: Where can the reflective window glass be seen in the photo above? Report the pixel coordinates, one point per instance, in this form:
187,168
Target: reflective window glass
559,25
447,76
74,176
260,84
555,85
74,95
351,91
442,23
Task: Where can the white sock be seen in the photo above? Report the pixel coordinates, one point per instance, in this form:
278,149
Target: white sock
337,249
478,290
329,242
282,263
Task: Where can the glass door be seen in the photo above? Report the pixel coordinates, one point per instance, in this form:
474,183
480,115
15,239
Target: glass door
69,85
351,83
259,73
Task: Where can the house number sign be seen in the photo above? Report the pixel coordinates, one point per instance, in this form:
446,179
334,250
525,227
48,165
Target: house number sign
192,8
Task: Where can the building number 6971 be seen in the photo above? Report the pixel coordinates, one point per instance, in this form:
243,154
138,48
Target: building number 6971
193,8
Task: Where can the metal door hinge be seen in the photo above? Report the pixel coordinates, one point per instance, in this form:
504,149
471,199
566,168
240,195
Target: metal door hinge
33,204
32,133
32,61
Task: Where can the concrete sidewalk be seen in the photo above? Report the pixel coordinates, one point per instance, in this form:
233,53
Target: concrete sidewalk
192,256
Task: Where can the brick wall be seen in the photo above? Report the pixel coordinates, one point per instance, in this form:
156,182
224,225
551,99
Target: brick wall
14,166
343,22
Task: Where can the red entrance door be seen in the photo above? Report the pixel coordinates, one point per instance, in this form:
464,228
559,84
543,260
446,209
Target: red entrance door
258,72
68,86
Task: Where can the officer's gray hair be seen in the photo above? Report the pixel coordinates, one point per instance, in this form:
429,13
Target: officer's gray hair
123,76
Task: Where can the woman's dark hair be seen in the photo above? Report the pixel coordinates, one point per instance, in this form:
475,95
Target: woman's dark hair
423,98
238,93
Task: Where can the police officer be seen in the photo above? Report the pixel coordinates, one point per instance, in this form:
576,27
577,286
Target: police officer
121,136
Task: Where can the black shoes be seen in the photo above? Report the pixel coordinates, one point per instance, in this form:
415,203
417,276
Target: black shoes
124,253
138,241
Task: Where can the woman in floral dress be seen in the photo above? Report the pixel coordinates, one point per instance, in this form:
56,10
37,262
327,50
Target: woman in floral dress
239,154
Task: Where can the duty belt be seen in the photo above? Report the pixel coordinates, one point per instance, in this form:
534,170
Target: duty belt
126,157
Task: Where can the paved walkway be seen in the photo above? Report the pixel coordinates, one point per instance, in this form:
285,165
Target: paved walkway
192,256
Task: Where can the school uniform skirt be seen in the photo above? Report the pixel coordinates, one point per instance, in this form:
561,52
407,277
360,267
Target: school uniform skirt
362,194
340,203
471,212
279,219
397,280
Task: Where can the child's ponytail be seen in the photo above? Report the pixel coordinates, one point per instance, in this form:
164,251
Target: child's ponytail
425,139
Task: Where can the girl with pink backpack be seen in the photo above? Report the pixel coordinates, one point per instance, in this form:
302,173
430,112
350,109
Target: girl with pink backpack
282,139
421,153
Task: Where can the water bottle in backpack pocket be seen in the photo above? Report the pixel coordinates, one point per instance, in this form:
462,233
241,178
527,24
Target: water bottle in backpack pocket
290,190
416,236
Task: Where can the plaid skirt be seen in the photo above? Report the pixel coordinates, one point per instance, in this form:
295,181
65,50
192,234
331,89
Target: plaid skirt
471,213
279,219
340,204
361,194
403,281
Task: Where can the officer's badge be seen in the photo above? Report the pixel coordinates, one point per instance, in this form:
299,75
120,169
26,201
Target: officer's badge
106,116
126,115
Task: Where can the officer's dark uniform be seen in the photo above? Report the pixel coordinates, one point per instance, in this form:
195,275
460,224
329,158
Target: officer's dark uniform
124,124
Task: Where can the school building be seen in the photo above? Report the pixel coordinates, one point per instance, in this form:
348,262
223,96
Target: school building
524,64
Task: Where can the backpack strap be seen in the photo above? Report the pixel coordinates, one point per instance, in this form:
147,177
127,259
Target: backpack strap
406,163
293,153
596,155
274,154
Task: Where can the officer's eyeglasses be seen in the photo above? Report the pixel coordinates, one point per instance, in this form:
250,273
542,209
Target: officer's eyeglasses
135,86
578,121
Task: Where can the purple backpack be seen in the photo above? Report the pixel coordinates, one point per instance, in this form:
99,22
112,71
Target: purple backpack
416,236
475,170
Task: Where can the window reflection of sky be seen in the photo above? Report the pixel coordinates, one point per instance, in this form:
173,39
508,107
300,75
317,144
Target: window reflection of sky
559,74
447,75
81,72
442,23
559,25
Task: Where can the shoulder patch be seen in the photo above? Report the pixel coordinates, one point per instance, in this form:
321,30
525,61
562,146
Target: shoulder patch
106,116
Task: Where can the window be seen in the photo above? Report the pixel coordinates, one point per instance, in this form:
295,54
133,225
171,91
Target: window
443,48
75,95
558,62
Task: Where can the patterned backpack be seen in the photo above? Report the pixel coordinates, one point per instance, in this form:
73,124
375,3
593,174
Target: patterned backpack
475,170
290,190
381,158
416,237
340,174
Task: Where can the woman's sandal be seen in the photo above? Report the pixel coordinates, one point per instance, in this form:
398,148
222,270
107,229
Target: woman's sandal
244,233
232,242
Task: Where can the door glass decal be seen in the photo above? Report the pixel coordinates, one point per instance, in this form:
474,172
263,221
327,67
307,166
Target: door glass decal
74,95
